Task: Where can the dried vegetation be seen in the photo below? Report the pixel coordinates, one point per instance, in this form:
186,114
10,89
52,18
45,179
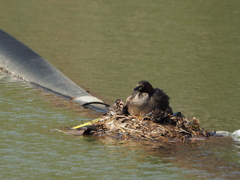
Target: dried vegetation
156,126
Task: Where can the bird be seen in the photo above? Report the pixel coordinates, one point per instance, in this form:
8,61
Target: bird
145,99
116,108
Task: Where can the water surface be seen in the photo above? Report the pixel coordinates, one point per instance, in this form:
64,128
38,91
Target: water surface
190,49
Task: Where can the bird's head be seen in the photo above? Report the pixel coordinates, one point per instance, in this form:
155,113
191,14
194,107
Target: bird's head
144,86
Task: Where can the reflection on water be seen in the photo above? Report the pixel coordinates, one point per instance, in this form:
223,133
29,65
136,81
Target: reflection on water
205,160
190,49
31,150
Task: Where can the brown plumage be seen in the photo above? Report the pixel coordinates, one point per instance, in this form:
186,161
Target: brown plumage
144,99
116,108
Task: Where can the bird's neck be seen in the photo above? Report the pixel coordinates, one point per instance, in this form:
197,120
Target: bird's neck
151,91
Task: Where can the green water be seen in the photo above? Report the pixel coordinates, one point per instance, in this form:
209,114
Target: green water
190,49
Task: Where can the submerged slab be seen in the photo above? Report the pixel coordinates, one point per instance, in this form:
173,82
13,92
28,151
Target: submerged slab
20,61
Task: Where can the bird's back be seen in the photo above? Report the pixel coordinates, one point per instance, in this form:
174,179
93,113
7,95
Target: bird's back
159,100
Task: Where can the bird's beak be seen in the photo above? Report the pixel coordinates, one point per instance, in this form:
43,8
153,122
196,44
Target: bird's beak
138,88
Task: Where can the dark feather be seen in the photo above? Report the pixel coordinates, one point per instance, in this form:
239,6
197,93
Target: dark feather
144,99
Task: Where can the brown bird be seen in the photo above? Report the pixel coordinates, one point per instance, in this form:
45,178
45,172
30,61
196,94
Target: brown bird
144,99
116,108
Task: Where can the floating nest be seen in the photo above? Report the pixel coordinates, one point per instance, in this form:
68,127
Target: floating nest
156,126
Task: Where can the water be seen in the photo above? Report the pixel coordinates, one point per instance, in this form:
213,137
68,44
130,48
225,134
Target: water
189,49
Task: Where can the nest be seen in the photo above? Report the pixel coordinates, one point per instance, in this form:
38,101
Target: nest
156,126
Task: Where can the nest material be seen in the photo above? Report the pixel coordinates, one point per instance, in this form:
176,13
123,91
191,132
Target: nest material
156,126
